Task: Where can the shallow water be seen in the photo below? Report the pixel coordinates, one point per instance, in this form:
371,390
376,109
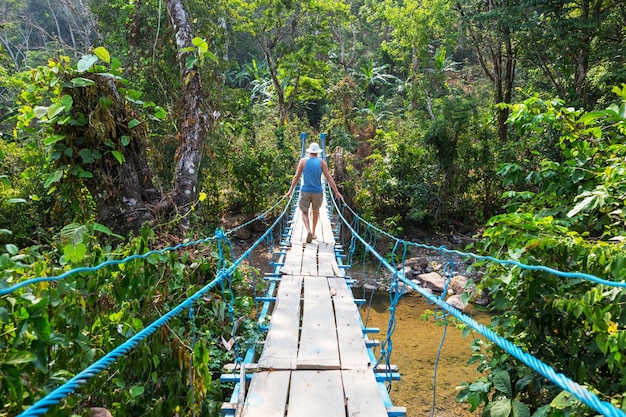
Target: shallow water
415,344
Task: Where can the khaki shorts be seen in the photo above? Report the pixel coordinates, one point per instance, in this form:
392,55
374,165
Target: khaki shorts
313,200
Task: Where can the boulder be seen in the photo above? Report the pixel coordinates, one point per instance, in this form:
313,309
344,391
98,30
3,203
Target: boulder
408,272
458,285
417,264
457,302
432,280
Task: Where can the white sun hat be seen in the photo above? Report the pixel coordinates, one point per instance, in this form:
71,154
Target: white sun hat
314,148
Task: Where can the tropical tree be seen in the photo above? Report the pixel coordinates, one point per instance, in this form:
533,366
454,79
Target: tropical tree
417,30
294,40
492,29
95,140
568,41
565,213
196,118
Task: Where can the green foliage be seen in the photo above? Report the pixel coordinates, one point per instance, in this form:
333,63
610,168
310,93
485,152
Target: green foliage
260,173
430,173
583,184
50,331
22,196
566,214
390,183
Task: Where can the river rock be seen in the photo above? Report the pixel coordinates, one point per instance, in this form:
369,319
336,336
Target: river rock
456,301
419,263
432,280
458,285
406,289
408,272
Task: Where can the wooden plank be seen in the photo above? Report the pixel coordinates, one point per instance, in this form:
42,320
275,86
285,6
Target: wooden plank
293,261
326,259
363,397
267,395
309,259
352,348
316,394
298,233
318,339
280,350
326,233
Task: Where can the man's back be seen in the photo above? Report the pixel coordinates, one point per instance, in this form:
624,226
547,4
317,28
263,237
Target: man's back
312,175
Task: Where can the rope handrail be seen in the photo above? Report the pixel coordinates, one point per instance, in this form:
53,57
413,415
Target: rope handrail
563,274
41,406
562,381
8,290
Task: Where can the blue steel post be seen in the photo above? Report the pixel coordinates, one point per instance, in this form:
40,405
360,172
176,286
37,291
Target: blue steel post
323,145
302,143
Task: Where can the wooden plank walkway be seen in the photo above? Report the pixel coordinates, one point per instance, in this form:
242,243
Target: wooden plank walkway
315,361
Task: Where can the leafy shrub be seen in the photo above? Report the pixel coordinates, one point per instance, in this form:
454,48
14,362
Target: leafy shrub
51,330
566,214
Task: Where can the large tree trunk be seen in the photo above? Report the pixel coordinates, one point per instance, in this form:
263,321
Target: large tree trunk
195,123
108,155
496,54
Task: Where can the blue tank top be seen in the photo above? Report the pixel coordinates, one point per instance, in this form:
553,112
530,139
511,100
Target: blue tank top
312,174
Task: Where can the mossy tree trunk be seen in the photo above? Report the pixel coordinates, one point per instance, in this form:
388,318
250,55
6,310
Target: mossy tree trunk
195,122
106,152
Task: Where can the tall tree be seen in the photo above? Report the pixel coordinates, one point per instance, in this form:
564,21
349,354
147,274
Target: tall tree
566,40
294,39
100,144
491,27
417,30
196,119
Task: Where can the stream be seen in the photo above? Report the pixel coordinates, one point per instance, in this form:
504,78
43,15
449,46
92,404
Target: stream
415,344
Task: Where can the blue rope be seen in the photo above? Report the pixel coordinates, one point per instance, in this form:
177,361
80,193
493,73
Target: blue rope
443,338
562,381
386,347
192,320
448,273
54,397
261,216
8,290
556,272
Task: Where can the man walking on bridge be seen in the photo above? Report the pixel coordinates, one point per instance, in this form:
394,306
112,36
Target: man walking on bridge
312,193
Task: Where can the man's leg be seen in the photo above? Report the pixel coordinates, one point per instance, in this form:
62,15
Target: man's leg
304,204
316,203
305,220
316,216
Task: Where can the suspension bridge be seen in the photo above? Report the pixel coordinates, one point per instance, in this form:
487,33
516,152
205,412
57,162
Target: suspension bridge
317,358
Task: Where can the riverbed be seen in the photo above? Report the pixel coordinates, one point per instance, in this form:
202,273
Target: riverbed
415,344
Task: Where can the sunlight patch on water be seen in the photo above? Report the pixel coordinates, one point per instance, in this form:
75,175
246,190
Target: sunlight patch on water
415,345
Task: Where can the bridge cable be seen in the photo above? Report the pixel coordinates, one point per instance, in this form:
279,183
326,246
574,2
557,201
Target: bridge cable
448,273
54,397
581,393
10,289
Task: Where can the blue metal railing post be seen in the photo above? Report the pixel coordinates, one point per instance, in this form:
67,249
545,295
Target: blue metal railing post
302,143
323,145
